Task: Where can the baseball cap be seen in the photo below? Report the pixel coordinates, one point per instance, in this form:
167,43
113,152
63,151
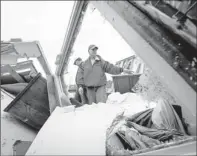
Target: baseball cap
77,59
92,46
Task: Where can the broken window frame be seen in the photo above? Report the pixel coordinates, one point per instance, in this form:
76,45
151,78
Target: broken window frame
62,59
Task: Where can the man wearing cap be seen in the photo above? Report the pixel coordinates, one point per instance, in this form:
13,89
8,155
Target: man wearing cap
80,95
94,75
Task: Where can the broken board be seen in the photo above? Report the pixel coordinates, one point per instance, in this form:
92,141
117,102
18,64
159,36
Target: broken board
31,105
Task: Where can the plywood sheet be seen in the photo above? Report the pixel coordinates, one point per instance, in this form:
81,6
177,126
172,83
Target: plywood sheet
79,132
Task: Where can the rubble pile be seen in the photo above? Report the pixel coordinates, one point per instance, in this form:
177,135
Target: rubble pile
151,129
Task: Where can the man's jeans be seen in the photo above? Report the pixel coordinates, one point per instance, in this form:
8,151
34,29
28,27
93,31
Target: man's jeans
96,94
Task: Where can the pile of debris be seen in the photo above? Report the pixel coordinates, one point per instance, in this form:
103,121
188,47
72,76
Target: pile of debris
148,130
29,89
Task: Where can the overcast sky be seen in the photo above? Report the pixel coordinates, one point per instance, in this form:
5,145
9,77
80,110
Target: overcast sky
46,21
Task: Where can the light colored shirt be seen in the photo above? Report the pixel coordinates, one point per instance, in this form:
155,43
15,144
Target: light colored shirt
94,59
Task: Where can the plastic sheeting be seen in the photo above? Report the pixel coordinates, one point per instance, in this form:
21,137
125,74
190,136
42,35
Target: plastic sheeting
159,134
165,117
147,128
136,140
142,118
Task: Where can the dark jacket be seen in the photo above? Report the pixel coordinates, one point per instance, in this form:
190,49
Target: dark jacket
79,76
94,75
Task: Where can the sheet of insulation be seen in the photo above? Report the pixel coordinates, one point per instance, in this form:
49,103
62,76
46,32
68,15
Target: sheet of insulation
80,131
